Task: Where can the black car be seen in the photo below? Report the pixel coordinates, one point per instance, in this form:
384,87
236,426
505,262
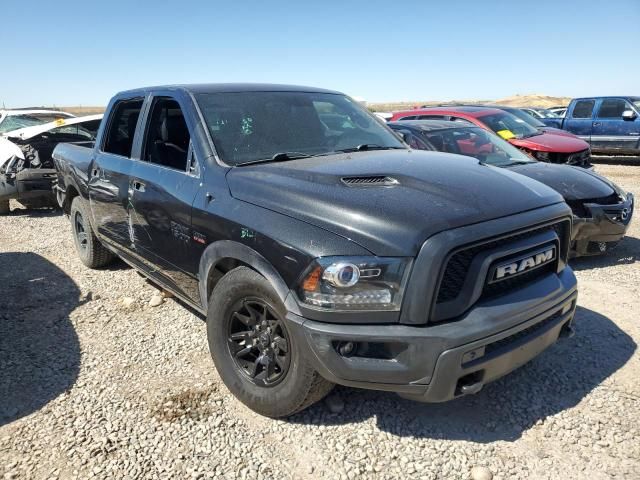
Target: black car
320,247
602,210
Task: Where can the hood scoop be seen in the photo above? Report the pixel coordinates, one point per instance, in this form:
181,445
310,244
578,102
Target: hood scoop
369,181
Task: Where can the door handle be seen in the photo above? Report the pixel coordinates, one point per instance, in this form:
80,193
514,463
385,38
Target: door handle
596,124
138,185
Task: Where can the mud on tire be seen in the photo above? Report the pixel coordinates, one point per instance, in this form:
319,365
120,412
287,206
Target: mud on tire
256,356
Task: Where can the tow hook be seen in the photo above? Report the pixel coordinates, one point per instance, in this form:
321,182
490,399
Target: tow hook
567,331
471,389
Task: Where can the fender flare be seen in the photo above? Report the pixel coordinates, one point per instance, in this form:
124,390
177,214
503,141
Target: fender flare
221,249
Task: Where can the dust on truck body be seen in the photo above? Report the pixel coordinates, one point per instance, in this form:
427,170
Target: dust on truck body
320,248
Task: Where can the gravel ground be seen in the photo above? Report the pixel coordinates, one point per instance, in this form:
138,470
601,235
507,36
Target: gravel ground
95,382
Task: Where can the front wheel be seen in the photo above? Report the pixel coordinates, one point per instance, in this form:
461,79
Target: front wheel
91,252
255,354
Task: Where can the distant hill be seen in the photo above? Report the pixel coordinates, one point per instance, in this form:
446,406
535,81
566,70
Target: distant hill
80,111
532,100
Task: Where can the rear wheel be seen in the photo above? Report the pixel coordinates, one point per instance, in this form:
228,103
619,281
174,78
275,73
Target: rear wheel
91,252
258,359
4,207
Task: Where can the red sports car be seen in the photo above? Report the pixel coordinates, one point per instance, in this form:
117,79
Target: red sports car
544,146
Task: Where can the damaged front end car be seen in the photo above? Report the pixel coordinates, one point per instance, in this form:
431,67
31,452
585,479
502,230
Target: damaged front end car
600,223
27,172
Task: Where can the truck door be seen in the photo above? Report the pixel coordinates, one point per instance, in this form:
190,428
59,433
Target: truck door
579,119
612,133
108,178
162,188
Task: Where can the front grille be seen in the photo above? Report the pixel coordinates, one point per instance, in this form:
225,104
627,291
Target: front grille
459,263
510,342
510,284
579,158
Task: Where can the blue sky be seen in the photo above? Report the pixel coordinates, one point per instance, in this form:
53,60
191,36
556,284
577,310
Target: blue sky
80,53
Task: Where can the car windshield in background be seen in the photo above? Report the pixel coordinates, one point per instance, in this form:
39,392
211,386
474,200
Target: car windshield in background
14,122
479,143
636,102
253,126
527,117
508,126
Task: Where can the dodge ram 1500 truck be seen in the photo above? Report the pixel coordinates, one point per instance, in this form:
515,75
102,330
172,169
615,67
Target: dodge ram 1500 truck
611,125
321,251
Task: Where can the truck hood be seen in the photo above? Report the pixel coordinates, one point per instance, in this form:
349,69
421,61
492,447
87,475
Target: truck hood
573,183
551,142
427,195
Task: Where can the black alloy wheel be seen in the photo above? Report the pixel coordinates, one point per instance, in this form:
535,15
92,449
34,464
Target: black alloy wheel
258,342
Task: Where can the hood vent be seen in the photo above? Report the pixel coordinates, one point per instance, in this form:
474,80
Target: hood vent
369,181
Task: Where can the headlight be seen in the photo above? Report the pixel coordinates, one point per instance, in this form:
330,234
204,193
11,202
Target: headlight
355,283
542,156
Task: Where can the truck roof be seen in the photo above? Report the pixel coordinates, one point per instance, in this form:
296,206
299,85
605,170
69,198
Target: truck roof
232,88
631,97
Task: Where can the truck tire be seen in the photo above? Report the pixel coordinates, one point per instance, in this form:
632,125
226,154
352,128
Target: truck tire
257,358
91,252
4,207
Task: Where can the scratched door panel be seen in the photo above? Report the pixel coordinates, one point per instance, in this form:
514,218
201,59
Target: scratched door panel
159,212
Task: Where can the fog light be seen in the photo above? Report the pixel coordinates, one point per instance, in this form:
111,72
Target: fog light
346,348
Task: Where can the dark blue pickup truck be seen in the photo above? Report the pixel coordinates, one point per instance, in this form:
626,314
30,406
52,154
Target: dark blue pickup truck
610,124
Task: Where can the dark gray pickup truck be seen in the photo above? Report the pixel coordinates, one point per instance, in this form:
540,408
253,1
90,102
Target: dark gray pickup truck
321,248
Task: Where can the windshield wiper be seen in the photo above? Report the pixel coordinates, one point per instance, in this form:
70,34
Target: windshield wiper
278,157
368,146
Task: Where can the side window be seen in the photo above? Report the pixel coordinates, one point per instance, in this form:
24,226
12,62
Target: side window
430,117
167,138
583,109
612,108
460,119
410,117
122,127
414,142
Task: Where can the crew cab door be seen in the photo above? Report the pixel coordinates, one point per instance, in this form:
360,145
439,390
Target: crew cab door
611,132
579,119
108,176
162,187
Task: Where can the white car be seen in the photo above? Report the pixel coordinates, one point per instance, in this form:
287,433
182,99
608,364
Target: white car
15,119
26,166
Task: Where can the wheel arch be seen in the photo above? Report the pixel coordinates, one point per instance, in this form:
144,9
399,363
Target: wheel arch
224,255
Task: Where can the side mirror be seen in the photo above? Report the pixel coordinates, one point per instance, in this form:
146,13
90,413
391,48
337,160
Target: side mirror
629,115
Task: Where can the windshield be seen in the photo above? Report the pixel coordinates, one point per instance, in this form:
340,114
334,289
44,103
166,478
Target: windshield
14,122
636,103
527,117
508,126
476,142
253,126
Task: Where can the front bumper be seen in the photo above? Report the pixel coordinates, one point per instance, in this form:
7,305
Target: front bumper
438,362
28,183
606,225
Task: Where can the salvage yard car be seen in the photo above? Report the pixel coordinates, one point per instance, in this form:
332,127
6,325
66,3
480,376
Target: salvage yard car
602,211
611,125
321,254
26,166
541,145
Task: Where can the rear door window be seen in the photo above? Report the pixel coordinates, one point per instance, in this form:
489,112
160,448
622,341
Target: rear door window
583,109
122,127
